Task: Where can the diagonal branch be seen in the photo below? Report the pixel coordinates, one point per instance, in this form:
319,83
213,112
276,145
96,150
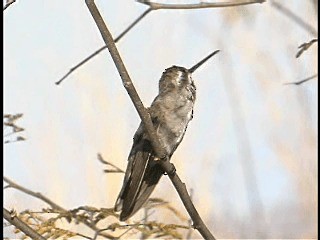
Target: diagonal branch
145,118
156,6
18,223
33,194
53,205
127,83
104,47
305,46
9,2
133,24
302,81
115,170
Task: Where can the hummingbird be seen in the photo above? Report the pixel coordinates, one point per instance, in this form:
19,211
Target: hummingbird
170,112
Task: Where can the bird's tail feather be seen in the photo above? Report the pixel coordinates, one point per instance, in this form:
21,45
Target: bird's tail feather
150,180
143,173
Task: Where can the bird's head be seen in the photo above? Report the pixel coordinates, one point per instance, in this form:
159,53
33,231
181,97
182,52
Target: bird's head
180,77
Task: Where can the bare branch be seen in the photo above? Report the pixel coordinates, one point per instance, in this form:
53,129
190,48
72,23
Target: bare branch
146,119
304,47
104,47
12,128
115,170
8,3
295,18
145,220
13,117
33,194
133,24
302,81
190,220
53,205
125,232
127,83
156,6
17,139
14,220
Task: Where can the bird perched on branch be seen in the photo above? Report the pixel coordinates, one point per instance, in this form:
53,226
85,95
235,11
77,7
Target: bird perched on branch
170,112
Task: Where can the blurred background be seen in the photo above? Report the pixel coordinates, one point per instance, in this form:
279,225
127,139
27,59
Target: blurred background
250,152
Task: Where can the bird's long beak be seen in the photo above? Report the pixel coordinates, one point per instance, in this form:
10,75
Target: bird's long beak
192,69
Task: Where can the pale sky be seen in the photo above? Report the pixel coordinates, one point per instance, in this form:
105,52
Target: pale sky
67,125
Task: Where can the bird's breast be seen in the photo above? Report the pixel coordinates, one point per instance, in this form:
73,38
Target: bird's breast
174,113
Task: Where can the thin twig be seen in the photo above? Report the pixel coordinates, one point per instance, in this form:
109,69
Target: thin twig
125,232
190,220
14,130
12,117
33,194
302,81
146,119
304,47
119,226
18,223
133,24
145,219
8,4
156,6
116,170
81,235
18,139
295,18
53,205
98,232
105,47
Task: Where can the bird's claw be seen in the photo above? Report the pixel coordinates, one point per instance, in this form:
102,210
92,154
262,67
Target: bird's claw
172,170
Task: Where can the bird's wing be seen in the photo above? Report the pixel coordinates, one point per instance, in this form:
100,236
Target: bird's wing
151,177
142,174
140,159
127,177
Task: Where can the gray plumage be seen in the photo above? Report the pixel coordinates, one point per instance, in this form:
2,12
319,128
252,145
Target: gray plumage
170,112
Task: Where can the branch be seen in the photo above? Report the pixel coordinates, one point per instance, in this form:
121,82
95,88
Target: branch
104,47
115,170
156,6
188,237
14,220
295,18
127,83
53,205
33,194
304,47
9,2
12,128
17,139
302,81
146,119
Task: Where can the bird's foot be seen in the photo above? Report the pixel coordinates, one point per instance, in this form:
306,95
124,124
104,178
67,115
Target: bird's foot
172,170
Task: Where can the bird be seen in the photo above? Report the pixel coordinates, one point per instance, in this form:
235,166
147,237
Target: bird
170,112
